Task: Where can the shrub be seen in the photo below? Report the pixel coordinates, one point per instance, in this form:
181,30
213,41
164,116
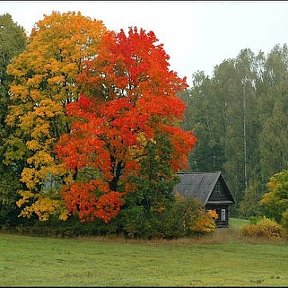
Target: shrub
183,217
69,228
205,222
195,219
135,222
264,228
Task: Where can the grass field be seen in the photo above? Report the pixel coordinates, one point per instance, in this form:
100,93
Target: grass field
223,259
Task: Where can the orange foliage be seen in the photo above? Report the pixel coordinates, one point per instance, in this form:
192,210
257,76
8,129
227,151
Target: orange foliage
129,95
80,199
213,214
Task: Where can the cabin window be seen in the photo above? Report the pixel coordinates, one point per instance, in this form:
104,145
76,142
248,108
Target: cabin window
223,214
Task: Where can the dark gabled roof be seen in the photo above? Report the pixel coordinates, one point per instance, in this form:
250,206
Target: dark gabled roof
200,185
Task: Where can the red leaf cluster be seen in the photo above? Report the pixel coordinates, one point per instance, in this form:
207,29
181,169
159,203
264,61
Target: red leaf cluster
80,199
130,94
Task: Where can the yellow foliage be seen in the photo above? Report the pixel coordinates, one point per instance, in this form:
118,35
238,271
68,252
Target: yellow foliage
264,228
138,150
27,121
26,195
68,179
33,145
27,175
40,130
19,91
266,199
204,223
40,158
48,108
52,169
44,81
64,215
43,208
35,94
34,81
142,139
70,69
15,111
56,80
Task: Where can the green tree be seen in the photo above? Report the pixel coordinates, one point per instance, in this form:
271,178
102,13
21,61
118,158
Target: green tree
273,114
274,140
249,206
12,42
145,210
204,115
243,126
222,110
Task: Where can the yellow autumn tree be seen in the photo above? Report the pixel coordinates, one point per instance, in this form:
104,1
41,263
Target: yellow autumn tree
44,82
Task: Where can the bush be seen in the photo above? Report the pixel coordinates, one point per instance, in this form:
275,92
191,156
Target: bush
205,223
193,218
264,228
135,222
69,228
183,217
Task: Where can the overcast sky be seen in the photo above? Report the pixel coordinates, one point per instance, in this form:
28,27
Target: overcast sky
197,35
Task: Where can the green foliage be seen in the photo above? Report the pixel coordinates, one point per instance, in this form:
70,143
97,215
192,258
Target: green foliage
144,214
221,110
12,42
263,228
204,117
193,218
239,116
8,198
182,218
136,224
274,140
249,206
70,228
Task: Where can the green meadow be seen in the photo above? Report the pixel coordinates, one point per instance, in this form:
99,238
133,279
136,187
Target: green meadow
221,259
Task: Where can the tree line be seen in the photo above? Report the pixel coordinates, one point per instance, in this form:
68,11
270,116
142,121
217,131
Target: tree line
239,115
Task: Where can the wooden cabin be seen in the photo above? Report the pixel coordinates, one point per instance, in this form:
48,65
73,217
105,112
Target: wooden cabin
211,190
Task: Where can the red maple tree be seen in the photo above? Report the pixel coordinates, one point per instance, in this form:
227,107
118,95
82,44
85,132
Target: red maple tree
130,96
